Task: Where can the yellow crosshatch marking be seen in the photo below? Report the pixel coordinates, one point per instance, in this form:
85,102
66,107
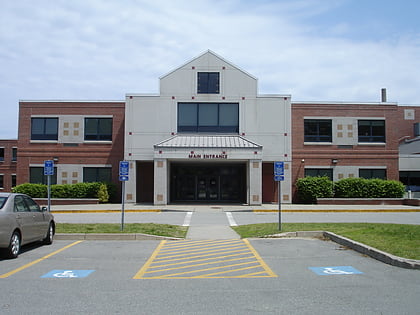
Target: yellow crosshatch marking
205,259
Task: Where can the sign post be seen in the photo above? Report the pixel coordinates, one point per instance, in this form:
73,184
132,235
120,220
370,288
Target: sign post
48,171
279,177
123,174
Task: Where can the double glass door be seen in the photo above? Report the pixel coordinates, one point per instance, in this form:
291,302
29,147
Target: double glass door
208,183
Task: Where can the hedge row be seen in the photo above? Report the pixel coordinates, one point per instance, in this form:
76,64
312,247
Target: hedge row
311,188
103,191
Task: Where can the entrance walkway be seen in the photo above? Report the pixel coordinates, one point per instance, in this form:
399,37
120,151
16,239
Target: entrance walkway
209,223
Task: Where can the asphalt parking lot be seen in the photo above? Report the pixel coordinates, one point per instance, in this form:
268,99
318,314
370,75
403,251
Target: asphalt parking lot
296,276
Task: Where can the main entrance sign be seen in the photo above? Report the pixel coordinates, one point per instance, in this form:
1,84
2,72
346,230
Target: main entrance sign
207,156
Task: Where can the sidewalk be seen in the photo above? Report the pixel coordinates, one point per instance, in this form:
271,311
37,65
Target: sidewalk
131,207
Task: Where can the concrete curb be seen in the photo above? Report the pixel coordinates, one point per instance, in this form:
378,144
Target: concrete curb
111,237
374,253
359,247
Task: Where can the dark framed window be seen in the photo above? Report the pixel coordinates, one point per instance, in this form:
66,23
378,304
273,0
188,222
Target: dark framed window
36,176
208,117
98,129
318,130
372,173
97,174
371,130
1,181
319,172
208,83
14,154
1,154
13,180
44,129
410,178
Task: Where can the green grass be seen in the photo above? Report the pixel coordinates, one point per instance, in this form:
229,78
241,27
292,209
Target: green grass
145,228
398,239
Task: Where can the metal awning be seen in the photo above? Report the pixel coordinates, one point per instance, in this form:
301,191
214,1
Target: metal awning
236,142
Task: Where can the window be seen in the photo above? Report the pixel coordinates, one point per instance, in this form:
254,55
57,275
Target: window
372,173
98,129
44,129
97,174
1,154
318,130
371,130
13,180
319,172
14,154
410,178
1,181
208,83
208,117
36,176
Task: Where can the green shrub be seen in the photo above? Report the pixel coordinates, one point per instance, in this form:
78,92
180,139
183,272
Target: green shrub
33,190
102,191
393,189
353,187
103,195
311,188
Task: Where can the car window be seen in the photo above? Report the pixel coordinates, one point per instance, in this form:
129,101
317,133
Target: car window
32,205
2,201
20,205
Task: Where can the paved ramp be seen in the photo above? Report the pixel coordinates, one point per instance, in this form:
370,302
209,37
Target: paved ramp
210,223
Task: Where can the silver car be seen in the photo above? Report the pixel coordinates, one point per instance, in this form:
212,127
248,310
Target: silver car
22,221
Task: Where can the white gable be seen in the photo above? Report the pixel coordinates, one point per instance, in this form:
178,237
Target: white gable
233,81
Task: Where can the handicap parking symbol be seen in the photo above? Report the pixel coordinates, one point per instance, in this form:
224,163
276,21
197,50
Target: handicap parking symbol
68,274
337,270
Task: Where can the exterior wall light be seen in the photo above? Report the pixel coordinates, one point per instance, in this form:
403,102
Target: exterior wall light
334,161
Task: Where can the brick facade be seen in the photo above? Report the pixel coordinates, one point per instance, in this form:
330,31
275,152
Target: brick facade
8,164
70,152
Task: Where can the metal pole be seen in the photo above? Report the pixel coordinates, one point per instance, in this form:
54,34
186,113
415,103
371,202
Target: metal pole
279,189
122,205
49,192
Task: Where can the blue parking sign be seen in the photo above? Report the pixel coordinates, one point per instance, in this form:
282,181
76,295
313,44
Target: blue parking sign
278,168
49,167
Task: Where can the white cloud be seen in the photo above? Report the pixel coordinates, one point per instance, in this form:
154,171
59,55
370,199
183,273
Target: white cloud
102,49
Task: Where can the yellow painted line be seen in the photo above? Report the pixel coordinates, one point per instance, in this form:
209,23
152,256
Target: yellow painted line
104,211
142,270
258,257
38,260
202,264
241,252
196,260
207,269
214,259
340,210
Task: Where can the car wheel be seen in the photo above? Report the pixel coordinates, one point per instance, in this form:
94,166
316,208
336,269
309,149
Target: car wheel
14,246
50,235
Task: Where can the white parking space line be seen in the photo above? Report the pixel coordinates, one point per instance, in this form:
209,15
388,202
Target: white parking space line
231,220
187,219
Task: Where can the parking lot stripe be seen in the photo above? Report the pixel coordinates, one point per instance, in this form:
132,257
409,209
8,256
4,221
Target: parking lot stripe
143,269
204,259
8,274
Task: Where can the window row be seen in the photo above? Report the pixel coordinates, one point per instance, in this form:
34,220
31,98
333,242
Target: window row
14,154
95,129
320,130
363,173
13,177
90,175
208,117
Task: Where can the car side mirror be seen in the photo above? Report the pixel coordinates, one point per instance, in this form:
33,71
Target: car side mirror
44,209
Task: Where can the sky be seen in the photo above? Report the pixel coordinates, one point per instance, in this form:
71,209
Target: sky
315,50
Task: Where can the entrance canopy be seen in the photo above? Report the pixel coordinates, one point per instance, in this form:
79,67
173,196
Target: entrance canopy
207,147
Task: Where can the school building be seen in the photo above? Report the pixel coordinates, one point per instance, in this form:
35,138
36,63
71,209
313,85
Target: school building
208,136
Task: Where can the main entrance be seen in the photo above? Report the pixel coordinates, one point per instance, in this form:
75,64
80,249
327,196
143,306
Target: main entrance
204,182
